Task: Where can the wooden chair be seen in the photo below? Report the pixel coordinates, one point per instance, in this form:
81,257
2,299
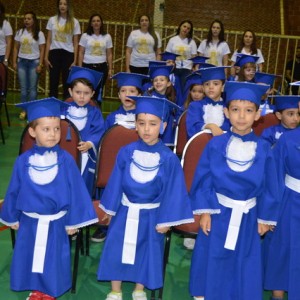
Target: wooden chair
181,137
70,138
3,89
264,122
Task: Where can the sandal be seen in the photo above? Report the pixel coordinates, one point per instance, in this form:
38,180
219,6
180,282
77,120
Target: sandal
35,295
114,296
139,295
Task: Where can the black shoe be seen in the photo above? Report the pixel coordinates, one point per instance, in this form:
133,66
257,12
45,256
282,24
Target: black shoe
98,236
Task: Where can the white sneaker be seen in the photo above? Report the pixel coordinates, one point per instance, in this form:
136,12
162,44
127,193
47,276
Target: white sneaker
189,243
139,295
114,296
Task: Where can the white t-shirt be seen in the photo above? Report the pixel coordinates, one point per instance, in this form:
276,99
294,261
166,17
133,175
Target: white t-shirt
60,39
5,31
214,51
184,49
29,47
259,54
142,45
95,47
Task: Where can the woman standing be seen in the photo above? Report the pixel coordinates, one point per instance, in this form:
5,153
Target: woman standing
248,46
143,45
5,36
61,46
184,45
95,51
214,46
28,57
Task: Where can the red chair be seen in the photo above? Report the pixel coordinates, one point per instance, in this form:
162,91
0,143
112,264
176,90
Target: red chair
181,137
70,138
264,122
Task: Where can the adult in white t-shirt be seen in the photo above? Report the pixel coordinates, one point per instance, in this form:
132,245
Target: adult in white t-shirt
143,45
95,51
28,57
214,46
61,46
6,34
247,46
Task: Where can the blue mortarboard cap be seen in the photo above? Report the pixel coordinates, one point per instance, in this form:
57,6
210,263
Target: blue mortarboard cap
157,63
286,101
159,70
130,79
48,107
214,73
168,56
265,78
296,83
244,91
243,59
194,78
199,59
94,77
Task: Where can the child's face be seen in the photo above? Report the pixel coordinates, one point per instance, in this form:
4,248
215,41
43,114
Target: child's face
81,94
160,84
28,21
124,93
242,114
46,132
197,92
289,117
213,89
249,73
63,6
147,126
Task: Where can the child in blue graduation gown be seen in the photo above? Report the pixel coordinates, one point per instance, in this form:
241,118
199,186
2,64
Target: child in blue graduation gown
282,271
208,113
233,191
46,200
145,195
87,118
287,112
129,84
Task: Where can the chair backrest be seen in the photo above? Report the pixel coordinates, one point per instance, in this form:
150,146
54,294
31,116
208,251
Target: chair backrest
181,137
3,80
110,144
70,137
191,155
264,122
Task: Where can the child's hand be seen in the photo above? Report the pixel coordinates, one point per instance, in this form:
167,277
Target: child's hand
107,217
71,231
15,227
205,223
215,129
263,228
84,146
162,229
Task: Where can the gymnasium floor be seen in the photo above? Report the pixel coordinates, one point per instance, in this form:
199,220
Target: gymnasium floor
176,283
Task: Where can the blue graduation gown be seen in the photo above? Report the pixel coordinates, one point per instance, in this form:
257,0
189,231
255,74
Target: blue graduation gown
273,133
283,259
111,118
168,189
195,118
92,132
217,272
66,192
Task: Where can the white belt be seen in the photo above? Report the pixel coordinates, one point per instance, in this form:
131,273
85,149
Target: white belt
239,207
292,183
41,238
131,229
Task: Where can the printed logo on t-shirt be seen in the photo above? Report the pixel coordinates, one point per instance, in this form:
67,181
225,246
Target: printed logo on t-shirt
181,50
60,35
142,46
97,48
25,47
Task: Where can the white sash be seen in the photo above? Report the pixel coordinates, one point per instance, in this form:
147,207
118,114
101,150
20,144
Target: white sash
292,183
239,207
131,228
41,238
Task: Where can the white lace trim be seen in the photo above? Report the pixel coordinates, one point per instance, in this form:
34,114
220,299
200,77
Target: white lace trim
241,151
84,224
278,135
78,112
260,221
176,223
127,121
147,160
213,114
45,160
206,211
107,211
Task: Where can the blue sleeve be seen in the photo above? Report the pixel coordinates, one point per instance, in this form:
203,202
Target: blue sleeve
194,118
96,129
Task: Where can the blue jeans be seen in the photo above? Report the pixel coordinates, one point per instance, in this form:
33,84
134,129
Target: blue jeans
28,78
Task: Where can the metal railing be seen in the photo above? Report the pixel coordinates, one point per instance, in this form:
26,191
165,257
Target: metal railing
277,50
